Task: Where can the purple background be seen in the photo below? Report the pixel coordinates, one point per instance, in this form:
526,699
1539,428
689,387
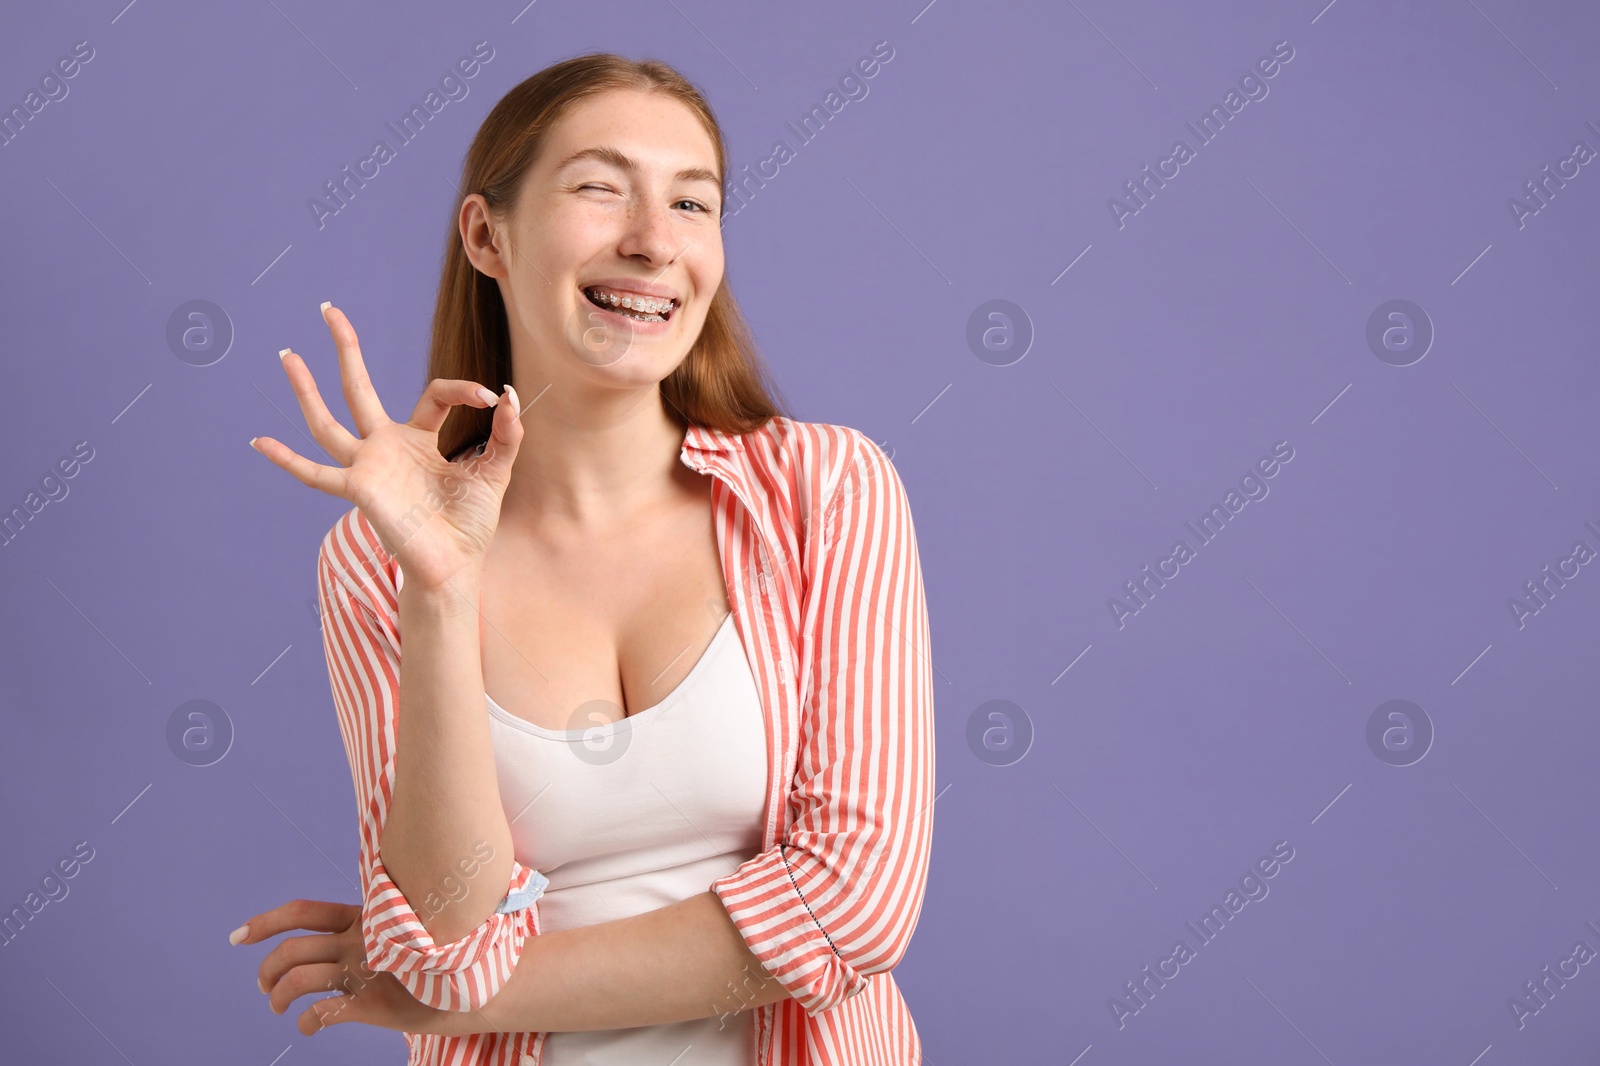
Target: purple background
1228,314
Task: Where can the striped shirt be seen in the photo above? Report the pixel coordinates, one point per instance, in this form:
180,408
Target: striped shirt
820,559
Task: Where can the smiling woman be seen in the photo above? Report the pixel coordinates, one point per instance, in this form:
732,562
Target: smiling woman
667,674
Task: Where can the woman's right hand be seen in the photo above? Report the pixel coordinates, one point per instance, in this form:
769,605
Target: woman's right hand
436,517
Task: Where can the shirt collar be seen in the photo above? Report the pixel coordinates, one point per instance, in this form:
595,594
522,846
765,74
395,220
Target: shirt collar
709,440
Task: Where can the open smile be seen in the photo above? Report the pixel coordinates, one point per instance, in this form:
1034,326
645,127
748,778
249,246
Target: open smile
632,306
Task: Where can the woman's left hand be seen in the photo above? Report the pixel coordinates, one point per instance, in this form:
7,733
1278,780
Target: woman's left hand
335,962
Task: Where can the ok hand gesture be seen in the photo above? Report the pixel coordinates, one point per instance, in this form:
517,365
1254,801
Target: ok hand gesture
436,517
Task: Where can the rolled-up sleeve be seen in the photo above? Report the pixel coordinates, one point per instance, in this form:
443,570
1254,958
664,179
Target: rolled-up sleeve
362,645
838,897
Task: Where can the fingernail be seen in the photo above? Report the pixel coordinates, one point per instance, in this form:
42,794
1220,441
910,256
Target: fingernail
516,404
239,933
261,984
282,352
325,305
487,397
253,441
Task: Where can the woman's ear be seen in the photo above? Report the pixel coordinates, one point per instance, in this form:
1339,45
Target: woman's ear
486,243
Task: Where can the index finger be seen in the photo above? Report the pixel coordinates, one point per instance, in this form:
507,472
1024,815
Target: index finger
365,408
319,916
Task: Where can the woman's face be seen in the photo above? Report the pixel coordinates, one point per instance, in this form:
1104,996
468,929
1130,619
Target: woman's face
623,201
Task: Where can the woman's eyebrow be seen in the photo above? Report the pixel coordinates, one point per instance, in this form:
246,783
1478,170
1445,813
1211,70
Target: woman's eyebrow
608,154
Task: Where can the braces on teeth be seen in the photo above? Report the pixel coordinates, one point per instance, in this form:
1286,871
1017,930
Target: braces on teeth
644,307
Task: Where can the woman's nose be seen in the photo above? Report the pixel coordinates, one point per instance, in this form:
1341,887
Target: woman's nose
649,232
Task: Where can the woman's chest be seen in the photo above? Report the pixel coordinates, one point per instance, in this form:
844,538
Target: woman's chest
630,815
574,635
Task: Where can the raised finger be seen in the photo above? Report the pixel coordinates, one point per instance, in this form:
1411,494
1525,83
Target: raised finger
442,394
365,408
319,916
328,431
329,479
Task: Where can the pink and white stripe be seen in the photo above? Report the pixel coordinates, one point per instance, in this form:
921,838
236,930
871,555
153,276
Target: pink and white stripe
820,559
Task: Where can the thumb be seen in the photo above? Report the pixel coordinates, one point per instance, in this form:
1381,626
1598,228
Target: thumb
505,436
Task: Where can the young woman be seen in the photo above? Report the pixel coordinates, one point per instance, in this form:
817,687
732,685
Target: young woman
653,781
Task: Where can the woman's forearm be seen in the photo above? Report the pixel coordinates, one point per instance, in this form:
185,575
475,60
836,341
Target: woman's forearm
682,961
446,797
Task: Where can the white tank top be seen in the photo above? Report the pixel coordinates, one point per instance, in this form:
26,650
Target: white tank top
636,814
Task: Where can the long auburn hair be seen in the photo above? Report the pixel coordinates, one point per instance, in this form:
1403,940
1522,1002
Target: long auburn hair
722,382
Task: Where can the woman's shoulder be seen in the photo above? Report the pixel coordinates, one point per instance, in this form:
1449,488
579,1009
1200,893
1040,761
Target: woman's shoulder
805,470
839,453
827,448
